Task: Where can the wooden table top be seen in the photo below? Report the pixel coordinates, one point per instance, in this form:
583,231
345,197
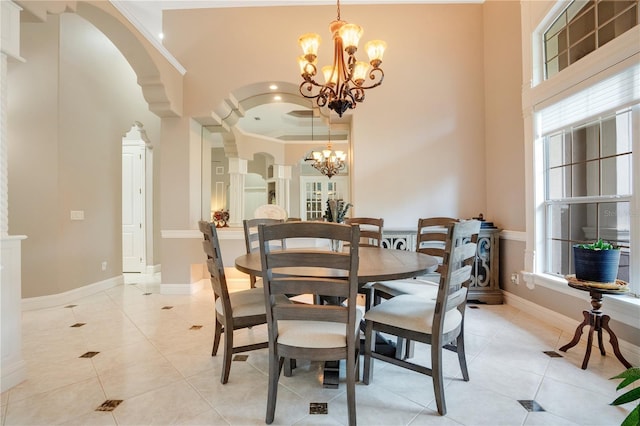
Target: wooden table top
375,264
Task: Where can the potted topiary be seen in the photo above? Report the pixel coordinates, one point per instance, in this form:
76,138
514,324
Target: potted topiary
596,262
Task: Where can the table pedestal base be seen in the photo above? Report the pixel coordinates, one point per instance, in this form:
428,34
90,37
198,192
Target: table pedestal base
596,322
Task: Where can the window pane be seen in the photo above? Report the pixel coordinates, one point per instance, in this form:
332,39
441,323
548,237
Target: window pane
577,7
585,179
582,48
586,143
560,262
559,183
607,9
551,47
614,222
583,222
616,135
558,150
583,25
558,221
616,175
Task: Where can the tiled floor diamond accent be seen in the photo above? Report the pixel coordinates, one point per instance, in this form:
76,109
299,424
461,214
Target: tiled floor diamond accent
530,405
472,307
71,306
167,307
146,294
240,357
89,354
109,405
553,354
318,408
195,327
78,324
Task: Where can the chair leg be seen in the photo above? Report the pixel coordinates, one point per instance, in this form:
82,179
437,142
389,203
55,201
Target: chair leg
351,387
216,338
436,375
228,354
275,366
369,343
289,365
462,359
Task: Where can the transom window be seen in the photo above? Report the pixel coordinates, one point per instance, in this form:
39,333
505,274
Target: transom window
583,27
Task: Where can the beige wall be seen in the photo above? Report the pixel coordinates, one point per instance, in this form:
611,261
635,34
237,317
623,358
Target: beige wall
65,152
418,140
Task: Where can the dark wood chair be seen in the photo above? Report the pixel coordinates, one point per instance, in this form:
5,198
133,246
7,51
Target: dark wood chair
370,236
430,239
236,310
310,331
439,323
251,238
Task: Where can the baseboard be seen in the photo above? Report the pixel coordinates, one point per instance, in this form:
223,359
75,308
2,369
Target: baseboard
631,352
152,270
42,302
12,374
182,288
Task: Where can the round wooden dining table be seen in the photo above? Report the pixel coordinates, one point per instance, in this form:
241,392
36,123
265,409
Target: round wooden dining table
375,264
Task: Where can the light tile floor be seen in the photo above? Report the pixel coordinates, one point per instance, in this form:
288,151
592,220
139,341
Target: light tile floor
150,358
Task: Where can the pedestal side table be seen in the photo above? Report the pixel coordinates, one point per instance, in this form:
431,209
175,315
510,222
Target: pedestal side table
596,321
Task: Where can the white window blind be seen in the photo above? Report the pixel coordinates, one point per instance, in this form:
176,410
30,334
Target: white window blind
616,92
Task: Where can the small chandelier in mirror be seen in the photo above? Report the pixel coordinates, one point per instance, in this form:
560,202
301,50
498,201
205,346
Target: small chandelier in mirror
328,162
344,80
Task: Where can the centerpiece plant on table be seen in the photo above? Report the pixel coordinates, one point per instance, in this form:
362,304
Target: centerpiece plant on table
336,211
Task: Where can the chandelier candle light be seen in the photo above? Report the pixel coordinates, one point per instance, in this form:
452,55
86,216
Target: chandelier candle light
344,82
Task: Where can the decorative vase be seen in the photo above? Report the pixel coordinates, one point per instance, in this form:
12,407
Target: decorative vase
596,265
336,245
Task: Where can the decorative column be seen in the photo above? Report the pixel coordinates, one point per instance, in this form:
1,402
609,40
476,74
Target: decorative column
237,175
12,366
282,177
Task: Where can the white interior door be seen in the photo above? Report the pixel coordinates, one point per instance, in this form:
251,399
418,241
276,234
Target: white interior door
133,208
316,190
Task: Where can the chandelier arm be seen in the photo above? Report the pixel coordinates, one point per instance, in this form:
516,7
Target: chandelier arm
374,74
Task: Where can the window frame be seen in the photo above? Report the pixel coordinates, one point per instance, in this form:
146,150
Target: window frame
617,55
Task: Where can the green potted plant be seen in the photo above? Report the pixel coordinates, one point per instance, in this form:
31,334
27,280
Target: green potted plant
629,376
336,211
596,262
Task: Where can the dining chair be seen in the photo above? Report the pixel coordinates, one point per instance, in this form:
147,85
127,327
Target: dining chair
370,230
235,310
251,239
370,236
430,239
438,323
316,332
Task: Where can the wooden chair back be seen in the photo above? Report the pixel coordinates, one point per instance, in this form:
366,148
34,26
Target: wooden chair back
370,230
251,237
211,247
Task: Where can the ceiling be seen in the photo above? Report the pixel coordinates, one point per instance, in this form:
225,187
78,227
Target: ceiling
276,120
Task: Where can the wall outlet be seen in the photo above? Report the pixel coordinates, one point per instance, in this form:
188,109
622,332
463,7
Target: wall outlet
515,278
77,215
104,265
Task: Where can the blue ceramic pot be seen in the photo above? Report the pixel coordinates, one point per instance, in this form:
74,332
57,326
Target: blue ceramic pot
596,265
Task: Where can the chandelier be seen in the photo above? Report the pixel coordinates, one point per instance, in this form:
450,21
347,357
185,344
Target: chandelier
328,162
344,80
